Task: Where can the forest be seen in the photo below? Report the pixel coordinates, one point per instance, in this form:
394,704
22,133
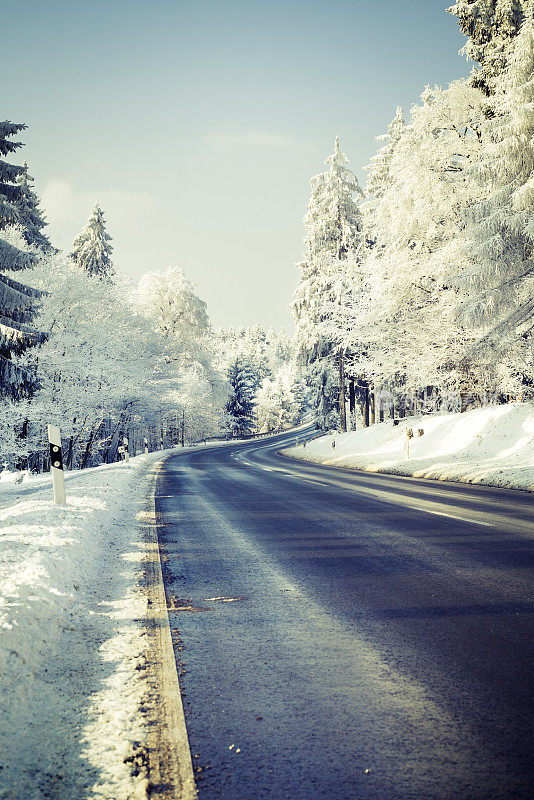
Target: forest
415,293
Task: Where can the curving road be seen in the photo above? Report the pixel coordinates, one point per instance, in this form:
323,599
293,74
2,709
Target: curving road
348,636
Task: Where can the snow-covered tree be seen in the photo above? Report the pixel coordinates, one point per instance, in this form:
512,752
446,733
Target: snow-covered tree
192,385
179,315
177,311
490,26
262,351
410,321
240,405
30,215
378,178
333,233
269,358
92,248
280,401
97,366
497,288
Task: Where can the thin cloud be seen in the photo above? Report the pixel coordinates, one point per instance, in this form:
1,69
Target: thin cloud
62,203
256,138
67,210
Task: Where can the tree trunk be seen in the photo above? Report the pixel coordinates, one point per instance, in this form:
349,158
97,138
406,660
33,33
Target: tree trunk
87,453
352,396
342,410
108,454
372,408
366,404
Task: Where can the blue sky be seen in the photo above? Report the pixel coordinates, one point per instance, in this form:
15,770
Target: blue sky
197,125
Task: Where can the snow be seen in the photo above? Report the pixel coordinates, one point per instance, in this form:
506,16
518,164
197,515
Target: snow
492,445
73,690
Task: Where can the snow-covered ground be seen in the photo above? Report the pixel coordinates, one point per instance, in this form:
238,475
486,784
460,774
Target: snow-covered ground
72,638
492,445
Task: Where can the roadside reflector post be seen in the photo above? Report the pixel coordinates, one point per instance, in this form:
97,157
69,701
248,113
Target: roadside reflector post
409,435
56,465
146,445
126,453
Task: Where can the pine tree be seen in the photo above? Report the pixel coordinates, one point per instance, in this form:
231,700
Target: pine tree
333,233
10,191
498,286
240,405
30,216
379,167
92,249
16,299
490,25
411,331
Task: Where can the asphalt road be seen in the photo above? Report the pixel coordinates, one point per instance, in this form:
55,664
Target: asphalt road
348,636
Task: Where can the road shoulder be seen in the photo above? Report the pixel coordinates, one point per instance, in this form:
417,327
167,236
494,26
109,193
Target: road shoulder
169,757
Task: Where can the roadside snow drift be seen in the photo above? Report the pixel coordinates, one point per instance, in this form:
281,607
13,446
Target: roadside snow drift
492,445
72,642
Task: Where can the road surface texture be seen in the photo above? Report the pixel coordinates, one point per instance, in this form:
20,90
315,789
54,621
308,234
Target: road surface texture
344,636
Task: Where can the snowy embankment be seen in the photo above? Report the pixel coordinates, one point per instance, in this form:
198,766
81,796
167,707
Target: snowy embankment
492,445
73,642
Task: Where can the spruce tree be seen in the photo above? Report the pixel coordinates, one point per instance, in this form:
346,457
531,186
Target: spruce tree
379,179
30,216
490,26
92,249
240,405
333,232
16,299
498,287
10,190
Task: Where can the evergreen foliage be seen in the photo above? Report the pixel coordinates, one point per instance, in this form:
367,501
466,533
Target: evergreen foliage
280,401
440,294
378,180
10,189
30,216
490,25
16,299
240,405
17,302
497,288
333,232
92,247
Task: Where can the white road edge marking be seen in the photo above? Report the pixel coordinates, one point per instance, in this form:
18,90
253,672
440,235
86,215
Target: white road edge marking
455,516
378,494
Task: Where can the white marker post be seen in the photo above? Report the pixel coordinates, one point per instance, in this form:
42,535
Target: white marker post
146,445
126,453
56,465
409,435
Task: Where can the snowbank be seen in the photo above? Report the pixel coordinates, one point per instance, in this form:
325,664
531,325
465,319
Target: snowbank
492,445
72,641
